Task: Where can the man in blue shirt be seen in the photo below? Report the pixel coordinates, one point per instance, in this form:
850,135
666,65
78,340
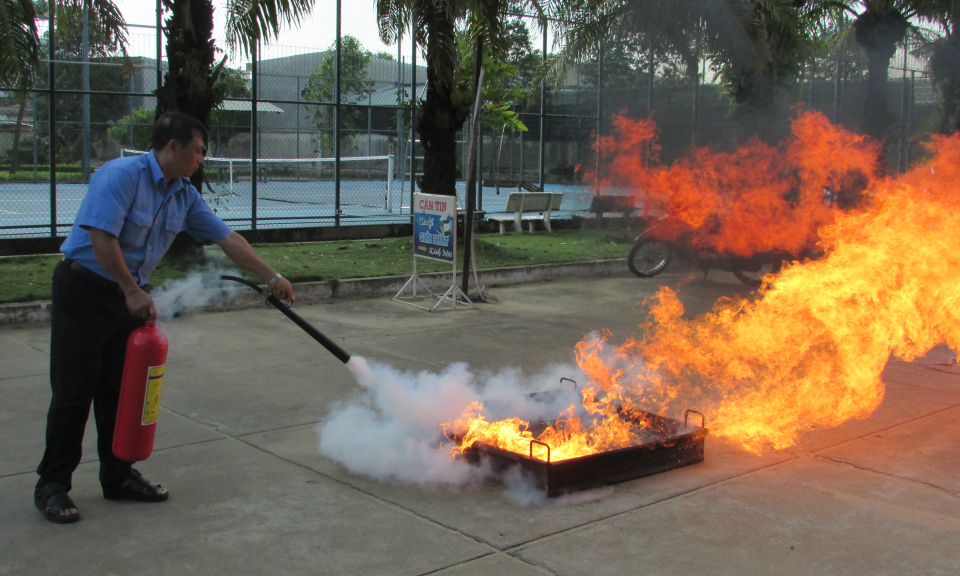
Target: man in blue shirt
133,209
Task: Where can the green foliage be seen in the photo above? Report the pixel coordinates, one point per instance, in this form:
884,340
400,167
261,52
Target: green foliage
119,130
19,42
250,21
108,68
353,87
26,152
500,93
225,124
28,277
106,74
233,84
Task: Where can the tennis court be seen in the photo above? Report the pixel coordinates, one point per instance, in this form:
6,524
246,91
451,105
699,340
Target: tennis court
25,208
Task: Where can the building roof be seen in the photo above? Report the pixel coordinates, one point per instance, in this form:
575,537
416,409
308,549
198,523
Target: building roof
247,106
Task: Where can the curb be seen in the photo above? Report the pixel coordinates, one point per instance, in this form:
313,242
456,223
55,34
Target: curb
27,313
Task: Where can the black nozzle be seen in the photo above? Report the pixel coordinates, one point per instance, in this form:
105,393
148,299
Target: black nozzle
327,343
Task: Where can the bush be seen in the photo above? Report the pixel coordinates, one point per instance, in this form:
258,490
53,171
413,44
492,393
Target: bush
26,152
119,130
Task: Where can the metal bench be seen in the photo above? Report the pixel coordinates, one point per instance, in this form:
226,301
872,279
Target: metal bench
520,185
529,206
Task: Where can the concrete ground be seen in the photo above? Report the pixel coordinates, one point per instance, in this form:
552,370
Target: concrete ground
236,446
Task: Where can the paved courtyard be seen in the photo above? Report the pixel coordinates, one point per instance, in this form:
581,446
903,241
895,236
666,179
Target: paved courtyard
251,494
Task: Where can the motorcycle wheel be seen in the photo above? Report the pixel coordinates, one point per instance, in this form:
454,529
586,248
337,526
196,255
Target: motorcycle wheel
649,257
755,279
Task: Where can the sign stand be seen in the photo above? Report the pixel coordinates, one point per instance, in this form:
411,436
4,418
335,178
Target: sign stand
434,238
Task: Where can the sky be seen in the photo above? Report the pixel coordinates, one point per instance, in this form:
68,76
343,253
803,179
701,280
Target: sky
316,32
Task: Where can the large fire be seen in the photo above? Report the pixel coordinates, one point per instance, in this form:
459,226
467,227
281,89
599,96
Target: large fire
758,198
810,350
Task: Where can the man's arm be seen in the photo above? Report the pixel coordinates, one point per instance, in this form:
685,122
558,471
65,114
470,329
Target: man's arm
106,248
240,251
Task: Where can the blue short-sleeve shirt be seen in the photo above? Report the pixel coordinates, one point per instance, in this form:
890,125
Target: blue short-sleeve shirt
129,198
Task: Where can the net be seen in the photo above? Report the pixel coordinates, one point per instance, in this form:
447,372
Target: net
365,181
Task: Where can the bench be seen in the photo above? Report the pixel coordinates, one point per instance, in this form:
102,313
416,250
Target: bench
609,206
518,184
529,206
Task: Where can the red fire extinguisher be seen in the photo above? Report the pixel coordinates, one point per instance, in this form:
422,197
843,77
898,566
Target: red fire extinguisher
140,393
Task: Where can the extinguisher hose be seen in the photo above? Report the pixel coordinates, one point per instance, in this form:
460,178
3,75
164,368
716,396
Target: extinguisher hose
327,343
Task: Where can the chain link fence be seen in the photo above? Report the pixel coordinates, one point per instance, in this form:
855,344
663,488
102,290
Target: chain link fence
305,173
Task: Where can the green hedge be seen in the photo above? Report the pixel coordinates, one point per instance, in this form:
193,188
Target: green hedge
61,168
42,176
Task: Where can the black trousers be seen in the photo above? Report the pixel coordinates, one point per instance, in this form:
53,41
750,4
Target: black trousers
88,343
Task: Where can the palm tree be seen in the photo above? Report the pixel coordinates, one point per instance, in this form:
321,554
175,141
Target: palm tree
783,35
19,57
878,29
758,44
685,28
448,98
945,59
20,42
191,82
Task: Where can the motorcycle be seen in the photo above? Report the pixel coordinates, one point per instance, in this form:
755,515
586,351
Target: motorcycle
651,256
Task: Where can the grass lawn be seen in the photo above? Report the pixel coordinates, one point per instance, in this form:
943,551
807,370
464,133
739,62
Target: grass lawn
27,278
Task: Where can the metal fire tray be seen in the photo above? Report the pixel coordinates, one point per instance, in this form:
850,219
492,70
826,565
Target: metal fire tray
670,444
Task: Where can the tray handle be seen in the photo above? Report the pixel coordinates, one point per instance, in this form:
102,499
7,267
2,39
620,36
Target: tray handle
687,413
532,442
574,382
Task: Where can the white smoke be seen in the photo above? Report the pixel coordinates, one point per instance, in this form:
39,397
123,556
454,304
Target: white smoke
394,429
193,293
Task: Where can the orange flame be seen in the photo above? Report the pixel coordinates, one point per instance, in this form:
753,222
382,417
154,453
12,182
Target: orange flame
758,198
809,352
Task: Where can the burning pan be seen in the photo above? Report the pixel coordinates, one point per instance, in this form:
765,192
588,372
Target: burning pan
671,444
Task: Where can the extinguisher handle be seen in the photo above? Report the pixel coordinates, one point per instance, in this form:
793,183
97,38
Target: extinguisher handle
242,281
331,346
324,341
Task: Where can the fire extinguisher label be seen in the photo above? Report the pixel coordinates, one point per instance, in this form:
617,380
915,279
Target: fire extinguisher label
151,401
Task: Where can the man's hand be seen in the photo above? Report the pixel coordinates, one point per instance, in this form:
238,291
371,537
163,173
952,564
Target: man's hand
141,304
106,248
240,251
282,289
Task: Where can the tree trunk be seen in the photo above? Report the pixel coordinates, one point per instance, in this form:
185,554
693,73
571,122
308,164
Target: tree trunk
877,118
439,119
438,126
15,159
188,85
878,33
945,69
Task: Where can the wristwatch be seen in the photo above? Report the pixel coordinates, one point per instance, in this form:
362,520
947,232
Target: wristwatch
274,280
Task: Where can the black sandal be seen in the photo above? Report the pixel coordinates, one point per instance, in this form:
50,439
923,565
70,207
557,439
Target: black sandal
136,488
51,499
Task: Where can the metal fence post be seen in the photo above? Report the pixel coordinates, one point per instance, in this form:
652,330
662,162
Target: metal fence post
911,102
336,118
651,72
543,110
85,99
34,137
696,91
130,109
254,129
159,44
596,141
413,118
53,122
904,110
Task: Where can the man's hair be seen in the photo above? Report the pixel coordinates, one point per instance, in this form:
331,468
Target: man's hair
177,126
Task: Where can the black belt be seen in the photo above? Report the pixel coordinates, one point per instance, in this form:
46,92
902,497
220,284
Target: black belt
92,276
97,279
